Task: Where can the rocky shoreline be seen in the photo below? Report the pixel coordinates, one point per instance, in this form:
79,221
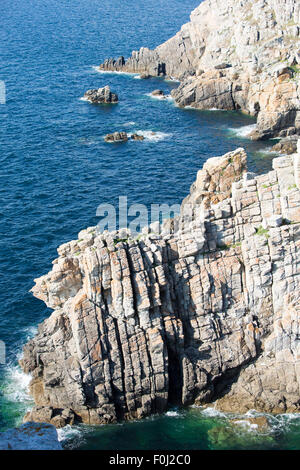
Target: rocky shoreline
206,311
205,307
233,56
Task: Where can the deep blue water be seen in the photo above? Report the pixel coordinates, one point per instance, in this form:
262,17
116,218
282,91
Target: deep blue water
55,168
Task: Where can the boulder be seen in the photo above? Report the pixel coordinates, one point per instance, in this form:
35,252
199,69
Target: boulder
137,137
56,416
287,146
116,137
101,95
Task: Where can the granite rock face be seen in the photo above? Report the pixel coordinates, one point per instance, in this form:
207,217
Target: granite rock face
202,309
233,55
101,95
30,436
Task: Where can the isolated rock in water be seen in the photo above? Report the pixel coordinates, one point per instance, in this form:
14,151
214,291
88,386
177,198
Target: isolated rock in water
234,56
205,312
287,146
102,95
137,137
30,436
157,93
116,137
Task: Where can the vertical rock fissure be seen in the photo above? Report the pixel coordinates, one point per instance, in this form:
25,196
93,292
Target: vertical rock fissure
119,410
174,352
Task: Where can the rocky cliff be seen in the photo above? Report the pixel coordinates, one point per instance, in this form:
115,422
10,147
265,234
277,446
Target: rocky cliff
233,55
205,309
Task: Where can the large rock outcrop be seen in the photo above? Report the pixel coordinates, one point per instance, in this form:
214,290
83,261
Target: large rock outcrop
233,55
101,96
206,310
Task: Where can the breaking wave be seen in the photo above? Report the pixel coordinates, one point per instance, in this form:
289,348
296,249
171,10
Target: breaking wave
160,97
152,136
244,131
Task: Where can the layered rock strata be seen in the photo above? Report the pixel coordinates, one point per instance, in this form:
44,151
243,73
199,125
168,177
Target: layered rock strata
233,55
203,309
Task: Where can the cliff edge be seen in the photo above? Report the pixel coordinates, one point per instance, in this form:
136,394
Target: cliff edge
205,309
234,55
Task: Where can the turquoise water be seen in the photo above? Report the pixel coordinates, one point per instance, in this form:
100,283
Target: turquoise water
56,169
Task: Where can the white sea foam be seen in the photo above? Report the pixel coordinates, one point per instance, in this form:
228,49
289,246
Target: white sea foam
246,425
213,413
151,135
268,151
172,79
30,332
243,131
83,99
160,97
17,385
172,413
89,141
129,124
68,432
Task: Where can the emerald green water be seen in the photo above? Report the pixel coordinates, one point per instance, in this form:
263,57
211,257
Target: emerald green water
189,429
192,428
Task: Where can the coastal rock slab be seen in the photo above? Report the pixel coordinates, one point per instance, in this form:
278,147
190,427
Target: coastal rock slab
30,436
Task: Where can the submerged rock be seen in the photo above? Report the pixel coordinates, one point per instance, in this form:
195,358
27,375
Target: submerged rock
101,95
116,137
204,309
233,56
238,437
157,93
30,436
